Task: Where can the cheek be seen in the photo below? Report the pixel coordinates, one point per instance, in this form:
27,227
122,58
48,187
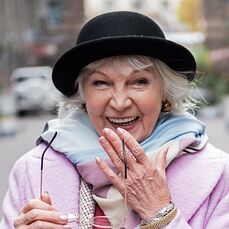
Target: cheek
95,103
150,103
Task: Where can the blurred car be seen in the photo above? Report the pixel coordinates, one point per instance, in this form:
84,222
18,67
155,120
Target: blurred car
33,90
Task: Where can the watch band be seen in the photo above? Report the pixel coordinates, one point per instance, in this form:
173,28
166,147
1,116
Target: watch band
162,218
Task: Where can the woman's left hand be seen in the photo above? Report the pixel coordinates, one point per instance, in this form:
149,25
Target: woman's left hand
146,184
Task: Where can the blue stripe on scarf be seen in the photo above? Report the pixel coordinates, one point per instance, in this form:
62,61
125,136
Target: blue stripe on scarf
78,139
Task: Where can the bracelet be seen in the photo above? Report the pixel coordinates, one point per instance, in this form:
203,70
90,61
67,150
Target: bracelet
163,217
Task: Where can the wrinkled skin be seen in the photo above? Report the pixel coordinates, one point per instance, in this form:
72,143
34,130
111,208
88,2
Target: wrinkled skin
147,189
39,213
111,95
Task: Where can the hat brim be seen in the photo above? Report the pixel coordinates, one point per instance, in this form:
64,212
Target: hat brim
67,68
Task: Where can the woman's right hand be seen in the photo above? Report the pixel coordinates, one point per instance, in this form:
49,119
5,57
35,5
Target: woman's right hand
39,214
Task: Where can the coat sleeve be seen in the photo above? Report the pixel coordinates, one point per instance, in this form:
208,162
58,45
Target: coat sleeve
219,217
213,213
178,222
24,184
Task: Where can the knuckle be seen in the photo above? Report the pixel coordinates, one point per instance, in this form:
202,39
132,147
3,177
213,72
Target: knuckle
111,177
32,215
18,221
137,151
118,163
31,204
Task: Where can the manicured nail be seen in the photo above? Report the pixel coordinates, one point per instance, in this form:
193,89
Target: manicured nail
45,193
63,218
98,159
120,130
102,139
106,131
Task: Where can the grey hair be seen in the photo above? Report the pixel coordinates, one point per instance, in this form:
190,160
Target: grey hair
176,88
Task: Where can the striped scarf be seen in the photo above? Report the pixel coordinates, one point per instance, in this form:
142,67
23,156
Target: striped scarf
78,140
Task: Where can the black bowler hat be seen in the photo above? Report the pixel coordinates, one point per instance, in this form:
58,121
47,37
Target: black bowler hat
119,33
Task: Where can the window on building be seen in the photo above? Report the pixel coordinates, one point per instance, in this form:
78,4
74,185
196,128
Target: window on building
54,12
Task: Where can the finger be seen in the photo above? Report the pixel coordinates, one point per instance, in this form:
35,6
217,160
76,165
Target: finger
116,145
114,140
161,161
116,160
40,225
109,173
41,216
36,204
46,198
45,225
133,145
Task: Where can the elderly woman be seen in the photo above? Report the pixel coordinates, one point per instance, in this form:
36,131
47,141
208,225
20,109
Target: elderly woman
126,145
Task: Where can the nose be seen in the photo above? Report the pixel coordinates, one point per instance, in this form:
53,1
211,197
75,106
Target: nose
120,101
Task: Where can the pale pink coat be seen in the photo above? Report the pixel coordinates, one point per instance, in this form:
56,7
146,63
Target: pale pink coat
199,185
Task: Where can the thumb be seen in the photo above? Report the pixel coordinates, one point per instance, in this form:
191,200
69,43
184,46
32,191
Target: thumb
45,197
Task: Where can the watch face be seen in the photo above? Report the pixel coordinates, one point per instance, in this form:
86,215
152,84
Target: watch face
165,210
162,211
162,218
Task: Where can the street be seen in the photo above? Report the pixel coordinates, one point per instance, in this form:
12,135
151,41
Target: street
28,129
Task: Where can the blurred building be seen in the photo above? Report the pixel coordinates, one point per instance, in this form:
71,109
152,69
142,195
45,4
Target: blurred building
35,32
216,26
163,11
216,22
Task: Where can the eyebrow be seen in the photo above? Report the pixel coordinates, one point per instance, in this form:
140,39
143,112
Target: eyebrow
134,71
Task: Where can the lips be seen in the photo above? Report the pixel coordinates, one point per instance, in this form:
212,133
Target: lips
123,121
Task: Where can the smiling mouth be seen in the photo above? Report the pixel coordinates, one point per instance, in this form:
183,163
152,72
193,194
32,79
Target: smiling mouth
123,121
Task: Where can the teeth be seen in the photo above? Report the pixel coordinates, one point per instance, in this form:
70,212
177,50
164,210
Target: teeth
122,120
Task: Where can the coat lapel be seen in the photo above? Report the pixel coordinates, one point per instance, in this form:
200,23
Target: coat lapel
192,178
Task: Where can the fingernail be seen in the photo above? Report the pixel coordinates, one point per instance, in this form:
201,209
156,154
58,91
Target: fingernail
98,159
63,218
106,131
45,193
102,139
120,130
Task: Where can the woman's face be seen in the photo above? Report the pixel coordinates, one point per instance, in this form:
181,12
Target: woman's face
124,98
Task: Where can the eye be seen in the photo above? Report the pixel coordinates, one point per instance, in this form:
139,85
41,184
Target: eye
141,82
99,83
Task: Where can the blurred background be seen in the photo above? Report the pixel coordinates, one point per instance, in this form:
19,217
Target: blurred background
34,33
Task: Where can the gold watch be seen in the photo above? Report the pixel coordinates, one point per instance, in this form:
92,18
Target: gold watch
163,217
